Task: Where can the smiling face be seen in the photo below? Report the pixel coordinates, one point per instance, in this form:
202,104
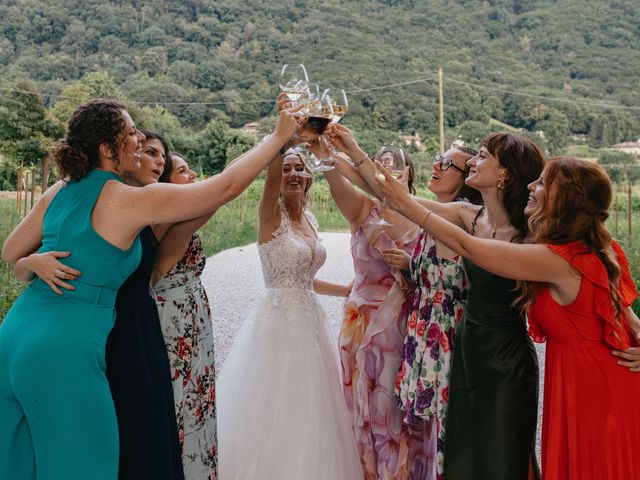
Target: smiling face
294,184
484,171
129,145
181,173
446,184
536,196
152,161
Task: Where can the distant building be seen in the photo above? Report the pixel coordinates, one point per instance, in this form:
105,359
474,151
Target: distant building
251,127
414,139
627,147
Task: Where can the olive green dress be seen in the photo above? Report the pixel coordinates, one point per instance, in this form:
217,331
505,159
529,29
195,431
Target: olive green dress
493,390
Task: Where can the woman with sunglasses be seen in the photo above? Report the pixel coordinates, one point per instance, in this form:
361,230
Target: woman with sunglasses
373,328
439,296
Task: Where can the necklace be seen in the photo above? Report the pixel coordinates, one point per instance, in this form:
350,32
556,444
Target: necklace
493,235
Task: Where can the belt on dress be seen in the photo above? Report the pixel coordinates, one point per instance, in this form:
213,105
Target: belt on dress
84,292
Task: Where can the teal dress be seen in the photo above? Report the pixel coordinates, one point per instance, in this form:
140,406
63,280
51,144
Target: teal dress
56,411
493,388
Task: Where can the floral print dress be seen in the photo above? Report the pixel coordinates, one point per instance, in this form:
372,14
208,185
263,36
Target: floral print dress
422,385
371,343
185,318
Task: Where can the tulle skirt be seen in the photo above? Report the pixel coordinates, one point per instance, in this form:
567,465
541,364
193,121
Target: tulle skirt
281,412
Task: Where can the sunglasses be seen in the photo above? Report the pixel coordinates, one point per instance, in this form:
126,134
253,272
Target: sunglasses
446,163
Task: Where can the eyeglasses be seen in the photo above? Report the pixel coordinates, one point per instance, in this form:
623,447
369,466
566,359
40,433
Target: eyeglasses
445,163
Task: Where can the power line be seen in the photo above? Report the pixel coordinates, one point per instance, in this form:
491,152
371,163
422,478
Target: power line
356,91
542,97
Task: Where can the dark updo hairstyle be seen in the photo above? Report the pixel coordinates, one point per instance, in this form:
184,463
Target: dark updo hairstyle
524,162
160,138
168,167
95,123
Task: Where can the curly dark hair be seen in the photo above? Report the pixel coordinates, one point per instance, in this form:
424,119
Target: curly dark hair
524,162
92,124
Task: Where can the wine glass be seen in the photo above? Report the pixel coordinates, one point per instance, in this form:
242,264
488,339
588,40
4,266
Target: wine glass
392,159
293,81
323,154
337,99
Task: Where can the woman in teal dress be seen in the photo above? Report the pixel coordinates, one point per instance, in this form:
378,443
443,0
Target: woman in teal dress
56,411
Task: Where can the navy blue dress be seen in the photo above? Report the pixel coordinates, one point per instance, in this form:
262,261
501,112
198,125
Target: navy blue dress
140,379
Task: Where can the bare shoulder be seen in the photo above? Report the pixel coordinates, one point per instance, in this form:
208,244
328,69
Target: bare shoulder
467,213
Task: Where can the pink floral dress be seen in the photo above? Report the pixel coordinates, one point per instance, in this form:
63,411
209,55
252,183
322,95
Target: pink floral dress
371,343
186,324
422,385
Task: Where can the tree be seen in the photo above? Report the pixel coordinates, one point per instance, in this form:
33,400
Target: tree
25,132
93,85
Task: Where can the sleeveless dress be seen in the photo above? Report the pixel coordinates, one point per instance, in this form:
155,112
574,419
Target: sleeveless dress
56,410
493,387
140,379
281,414
185,318
371,344
422,385
591,422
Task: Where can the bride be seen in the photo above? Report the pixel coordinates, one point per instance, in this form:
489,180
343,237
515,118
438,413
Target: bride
281,413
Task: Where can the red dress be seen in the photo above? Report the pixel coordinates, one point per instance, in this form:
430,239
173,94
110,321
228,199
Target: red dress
591,418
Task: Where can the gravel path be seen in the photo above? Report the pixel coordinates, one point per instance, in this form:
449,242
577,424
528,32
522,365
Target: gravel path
233,280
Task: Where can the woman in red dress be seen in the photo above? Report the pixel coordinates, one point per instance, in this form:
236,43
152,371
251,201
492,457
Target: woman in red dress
578,293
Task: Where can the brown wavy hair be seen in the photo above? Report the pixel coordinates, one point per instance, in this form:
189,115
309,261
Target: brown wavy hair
524,162
92,124
577,196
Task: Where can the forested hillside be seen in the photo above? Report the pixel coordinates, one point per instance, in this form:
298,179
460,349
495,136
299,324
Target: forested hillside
214,62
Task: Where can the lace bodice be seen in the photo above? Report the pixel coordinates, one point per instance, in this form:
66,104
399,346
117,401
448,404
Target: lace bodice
289,260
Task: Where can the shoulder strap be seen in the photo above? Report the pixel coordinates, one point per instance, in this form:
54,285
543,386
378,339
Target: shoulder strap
475,221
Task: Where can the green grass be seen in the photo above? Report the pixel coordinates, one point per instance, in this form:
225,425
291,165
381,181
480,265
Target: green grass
10,288
582,150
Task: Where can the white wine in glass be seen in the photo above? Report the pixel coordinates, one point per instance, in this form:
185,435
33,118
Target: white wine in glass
336,98
392,159
293,81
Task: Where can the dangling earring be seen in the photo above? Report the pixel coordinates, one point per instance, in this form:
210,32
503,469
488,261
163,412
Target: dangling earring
501,180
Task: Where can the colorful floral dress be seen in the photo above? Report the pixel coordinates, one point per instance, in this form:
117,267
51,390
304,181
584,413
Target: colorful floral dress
186,324
422,385
371,343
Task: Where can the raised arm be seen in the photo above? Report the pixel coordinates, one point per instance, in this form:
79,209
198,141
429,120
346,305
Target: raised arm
351,173
269,208
343,139
354,205
122,211
528,262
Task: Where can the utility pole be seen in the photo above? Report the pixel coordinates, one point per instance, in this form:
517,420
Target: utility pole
441,95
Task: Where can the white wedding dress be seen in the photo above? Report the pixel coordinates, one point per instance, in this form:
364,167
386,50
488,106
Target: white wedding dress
281,411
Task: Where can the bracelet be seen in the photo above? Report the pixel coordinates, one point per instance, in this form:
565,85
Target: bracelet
426,215
357,164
